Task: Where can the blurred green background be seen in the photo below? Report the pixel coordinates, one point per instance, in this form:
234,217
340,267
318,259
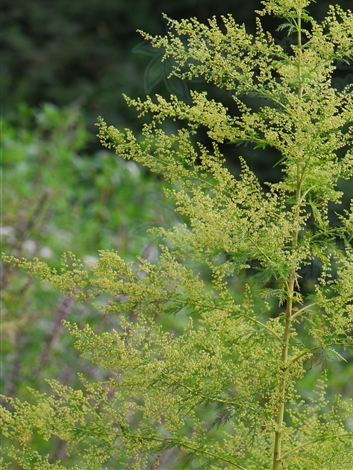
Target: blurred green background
63,64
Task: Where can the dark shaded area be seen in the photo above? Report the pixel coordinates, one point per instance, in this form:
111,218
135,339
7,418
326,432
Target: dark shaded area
82,51
89,53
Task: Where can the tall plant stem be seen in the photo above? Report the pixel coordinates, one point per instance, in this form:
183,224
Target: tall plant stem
290,291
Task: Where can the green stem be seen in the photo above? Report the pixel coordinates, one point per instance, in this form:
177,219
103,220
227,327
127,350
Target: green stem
287,333
182,445
290,291
308,351
265,327
205,397
302,310
324,438
284,358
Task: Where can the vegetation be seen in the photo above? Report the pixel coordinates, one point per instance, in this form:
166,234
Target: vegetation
223,391
51,179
